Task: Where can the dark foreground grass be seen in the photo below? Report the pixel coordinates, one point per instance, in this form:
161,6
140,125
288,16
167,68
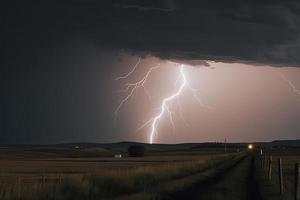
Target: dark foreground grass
270,188
182,187
150,182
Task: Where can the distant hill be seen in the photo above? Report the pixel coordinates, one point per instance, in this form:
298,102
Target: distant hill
109,149
115,147
123,146
285,143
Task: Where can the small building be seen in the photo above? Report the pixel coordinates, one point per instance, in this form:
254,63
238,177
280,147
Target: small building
118,155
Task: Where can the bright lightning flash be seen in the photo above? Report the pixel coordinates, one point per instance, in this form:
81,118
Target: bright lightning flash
131,88
164,105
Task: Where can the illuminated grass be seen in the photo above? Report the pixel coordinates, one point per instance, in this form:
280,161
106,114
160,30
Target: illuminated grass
138,183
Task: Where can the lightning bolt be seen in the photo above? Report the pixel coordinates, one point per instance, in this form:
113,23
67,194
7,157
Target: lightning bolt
133,87
290,84
131,71
164,105
167,103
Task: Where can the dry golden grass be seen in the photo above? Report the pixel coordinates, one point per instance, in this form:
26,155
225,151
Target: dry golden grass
82,178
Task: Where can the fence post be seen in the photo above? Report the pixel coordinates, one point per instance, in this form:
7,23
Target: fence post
59,178
44,180
262,160
19,187
270,168
297,180
280,175
266,163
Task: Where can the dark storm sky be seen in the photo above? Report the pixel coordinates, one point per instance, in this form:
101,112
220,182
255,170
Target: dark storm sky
59,57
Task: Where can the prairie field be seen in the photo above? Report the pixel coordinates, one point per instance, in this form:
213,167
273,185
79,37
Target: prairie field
110,171
93,173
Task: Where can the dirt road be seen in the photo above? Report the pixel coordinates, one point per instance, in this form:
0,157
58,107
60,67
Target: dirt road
237,183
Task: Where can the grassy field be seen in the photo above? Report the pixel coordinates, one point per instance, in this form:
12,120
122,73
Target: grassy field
289,158
93,173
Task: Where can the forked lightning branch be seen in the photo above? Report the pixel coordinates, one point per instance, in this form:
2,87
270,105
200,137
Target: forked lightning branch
165,106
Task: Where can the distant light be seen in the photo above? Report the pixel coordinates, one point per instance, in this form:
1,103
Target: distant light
250,146
118,155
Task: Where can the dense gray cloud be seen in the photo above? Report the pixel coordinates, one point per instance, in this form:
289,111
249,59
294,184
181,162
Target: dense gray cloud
256,32
159,5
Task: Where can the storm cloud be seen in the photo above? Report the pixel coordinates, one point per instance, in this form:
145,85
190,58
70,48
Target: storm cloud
256,32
